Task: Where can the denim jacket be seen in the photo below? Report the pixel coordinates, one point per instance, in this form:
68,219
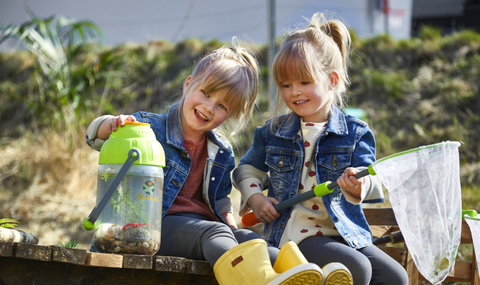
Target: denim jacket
279,151
220,162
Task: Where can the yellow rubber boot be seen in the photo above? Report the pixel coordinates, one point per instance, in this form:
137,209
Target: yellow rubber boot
337,274
290,256
249,264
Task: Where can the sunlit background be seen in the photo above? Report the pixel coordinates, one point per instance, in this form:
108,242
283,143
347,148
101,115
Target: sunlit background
145,20
415,78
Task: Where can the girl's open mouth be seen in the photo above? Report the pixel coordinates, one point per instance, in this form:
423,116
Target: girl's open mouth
201,116
300,102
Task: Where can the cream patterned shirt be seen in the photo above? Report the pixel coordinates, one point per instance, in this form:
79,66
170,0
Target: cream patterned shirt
309,218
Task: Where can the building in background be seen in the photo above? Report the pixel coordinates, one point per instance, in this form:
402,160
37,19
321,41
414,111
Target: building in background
449,15
148,20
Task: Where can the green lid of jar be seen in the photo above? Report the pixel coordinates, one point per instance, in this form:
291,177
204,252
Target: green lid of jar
132,135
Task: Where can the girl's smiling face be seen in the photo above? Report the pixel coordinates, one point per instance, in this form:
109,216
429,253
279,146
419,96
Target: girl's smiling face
202,112
309,100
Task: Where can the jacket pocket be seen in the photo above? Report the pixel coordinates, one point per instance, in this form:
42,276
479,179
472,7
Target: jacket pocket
335,159
281,167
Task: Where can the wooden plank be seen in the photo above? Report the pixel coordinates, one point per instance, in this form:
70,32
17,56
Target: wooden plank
200,267
397,253
475,274
32,251
136,261
461,272
16,271
170,264
104,260
68,255
7,249
411,269
378,231
380,216
466,234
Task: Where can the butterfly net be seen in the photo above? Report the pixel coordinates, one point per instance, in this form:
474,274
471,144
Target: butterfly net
424,190
474,225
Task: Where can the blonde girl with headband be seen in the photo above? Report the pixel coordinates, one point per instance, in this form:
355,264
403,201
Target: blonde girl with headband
313,143
197,219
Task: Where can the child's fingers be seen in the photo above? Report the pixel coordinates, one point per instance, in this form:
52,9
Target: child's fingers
130,118
355,181
273,200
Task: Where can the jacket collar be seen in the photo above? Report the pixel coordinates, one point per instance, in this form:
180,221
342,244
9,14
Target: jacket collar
289,124
174,134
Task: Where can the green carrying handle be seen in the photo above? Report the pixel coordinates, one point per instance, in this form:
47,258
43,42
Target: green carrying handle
89,222
471,214
320,190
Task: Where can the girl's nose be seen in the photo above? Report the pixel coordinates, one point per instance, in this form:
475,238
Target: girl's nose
209,106
297,90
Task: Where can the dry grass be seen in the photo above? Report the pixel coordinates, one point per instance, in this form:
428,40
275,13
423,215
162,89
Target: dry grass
48,183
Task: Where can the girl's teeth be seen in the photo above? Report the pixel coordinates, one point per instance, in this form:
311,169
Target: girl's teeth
202,116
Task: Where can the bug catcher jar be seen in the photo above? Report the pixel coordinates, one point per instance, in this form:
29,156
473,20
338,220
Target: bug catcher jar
127,218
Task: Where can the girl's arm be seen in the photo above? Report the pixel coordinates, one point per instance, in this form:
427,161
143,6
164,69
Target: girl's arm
250,178
100,129
110,125
228,217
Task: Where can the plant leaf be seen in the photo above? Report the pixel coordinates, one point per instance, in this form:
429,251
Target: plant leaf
9,223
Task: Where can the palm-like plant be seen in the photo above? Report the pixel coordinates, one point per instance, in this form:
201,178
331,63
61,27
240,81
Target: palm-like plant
56,42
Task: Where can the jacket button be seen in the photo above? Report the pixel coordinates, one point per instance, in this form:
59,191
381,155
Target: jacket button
280,163
213,178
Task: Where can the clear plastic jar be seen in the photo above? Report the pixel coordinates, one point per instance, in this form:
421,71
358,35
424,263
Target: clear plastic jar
130,223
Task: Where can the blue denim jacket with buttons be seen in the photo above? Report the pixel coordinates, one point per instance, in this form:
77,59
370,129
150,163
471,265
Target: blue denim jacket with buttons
278,150
220,162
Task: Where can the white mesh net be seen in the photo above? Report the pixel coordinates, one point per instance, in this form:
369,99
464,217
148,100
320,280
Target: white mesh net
474,224
424,191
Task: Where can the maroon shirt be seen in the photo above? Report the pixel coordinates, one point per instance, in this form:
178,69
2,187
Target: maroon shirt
190,198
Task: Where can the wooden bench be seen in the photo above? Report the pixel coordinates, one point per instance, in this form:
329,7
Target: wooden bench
382,222
36,264
27,264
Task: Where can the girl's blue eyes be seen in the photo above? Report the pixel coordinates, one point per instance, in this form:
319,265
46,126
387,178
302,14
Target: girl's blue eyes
221,105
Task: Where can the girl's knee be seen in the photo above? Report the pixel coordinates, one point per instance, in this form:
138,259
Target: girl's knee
361,271
397,276
243,235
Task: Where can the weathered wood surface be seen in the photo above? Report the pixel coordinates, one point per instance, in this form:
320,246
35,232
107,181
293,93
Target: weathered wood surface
36,264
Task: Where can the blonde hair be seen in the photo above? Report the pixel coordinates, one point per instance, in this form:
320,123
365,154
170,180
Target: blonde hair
312,54
231,67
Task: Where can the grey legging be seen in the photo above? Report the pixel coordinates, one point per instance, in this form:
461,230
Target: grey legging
368,265
194,236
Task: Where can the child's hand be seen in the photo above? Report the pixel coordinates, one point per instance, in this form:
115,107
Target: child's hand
263,207
350,183
110,125
119,120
